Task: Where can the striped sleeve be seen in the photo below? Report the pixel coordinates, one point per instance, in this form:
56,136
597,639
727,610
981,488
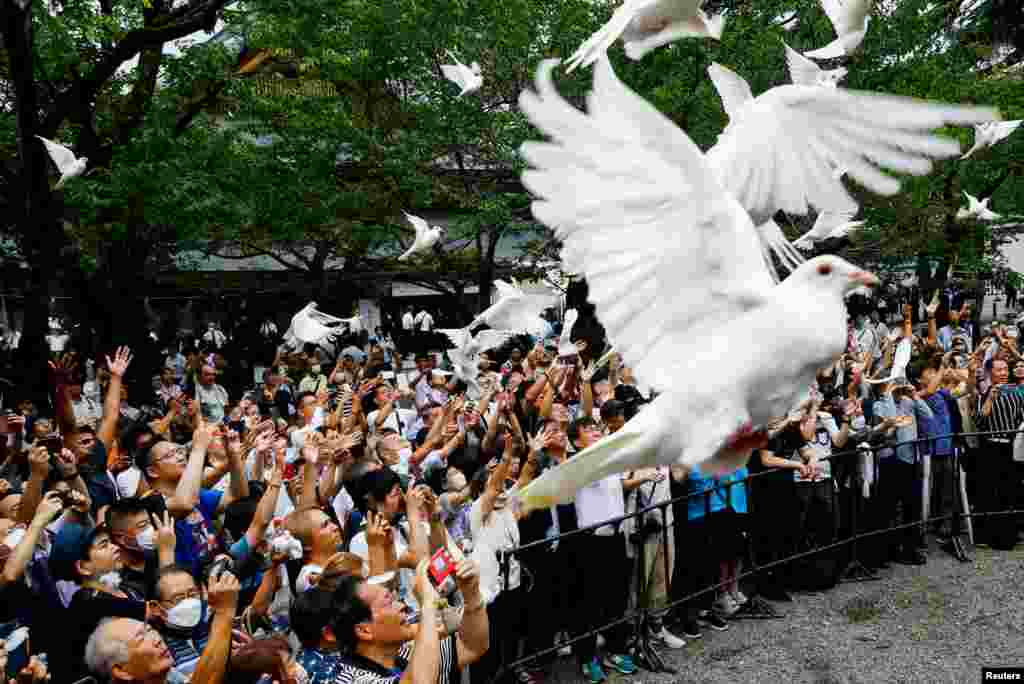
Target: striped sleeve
448,673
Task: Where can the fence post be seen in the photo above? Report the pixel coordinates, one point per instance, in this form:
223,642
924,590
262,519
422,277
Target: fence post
855,571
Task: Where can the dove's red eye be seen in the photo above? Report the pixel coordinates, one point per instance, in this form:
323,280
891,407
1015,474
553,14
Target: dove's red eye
825,269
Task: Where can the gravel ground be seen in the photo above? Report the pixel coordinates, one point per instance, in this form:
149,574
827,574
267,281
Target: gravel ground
941,622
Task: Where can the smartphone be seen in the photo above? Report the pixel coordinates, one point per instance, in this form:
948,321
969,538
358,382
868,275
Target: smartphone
52,442
442,572
15,642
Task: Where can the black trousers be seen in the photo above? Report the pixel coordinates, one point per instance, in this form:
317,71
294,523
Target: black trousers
945,494
996,489
773,536
505,616
601,570
696,567
899,489
554,596
817,513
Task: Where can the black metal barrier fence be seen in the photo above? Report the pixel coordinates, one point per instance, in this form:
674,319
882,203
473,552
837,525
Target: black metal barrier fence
990,464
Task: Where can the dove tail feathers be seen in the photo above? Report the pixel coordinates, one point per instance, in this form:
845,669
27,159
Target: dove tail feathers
715,25
560,484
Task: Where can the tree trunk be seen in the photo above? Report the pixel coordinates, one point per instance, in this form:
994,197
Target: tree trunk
485,279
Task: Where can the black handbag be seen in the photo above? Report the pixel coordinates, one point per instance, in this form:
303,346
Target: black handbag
651,524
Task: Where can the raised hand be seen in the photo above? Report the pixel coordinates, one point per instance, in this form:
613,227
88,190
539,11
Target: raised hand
165,535
378,530
538,441
49,508
122,359
204,434
62,369
222,593
39,462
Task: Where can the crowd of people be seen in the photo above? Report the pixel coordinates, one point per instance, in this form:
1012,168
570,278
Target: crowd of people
292,530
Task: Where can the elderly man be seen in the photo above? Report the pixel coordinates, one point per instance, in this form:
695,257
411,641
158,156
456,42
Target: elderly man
369,624
126,650
212,397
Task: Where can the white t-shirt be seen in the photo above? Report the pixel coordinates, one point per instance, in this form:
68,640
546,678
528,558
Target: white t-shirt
600,501
408,322
408,417
501,533
406,577
425,321
58,341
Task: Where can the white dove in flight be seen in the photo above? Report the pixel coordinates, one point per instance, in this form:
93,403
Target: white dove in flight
566,348
515,310
65,161
976,209
900,361
468,78
828,225
989,133
645,25
850,20
312,326
787,148
465,357
803,71
426,237
355,324
685,292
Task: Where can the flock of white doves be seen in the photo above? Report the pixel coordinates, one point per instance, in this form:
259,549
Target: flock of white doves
676,244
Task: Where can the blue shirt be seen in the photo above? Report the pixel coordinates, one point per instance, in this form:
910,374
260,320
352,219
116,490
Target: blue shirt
887,407
710,495
242,555
197,543
320,667
939,423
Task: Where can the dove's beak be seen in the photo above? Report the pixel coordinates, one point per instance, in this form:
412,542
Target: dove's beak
864,278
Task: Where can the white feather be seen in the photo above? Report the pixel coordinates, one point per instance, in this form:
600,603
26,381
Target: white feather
780,149
645,25
465,357
313,326
468,78
682,289
850,20
426,237
65,161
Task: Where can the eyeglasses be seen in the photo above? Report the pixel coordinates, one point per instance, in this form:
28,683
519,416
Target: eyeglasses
192,594
146,633
178,453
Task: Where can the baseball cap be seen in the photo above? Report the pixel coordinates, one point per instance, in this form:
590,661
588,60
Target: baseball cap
70,546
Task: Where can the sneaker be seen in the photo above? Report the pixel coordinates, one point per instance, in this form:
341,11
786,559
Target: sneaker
725,606
713,620
691,630
593,673
622,664
668,639
524,676
563,651
738,597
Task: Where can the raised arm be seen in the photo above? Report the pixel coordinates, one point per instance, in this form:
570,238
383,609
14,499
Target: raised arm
223,600
186,494
112,403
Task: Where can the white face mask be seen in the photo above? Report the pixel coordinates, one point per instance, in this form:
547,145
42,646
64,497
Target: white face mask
146,540
128,482
14,537
110,580
185,614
